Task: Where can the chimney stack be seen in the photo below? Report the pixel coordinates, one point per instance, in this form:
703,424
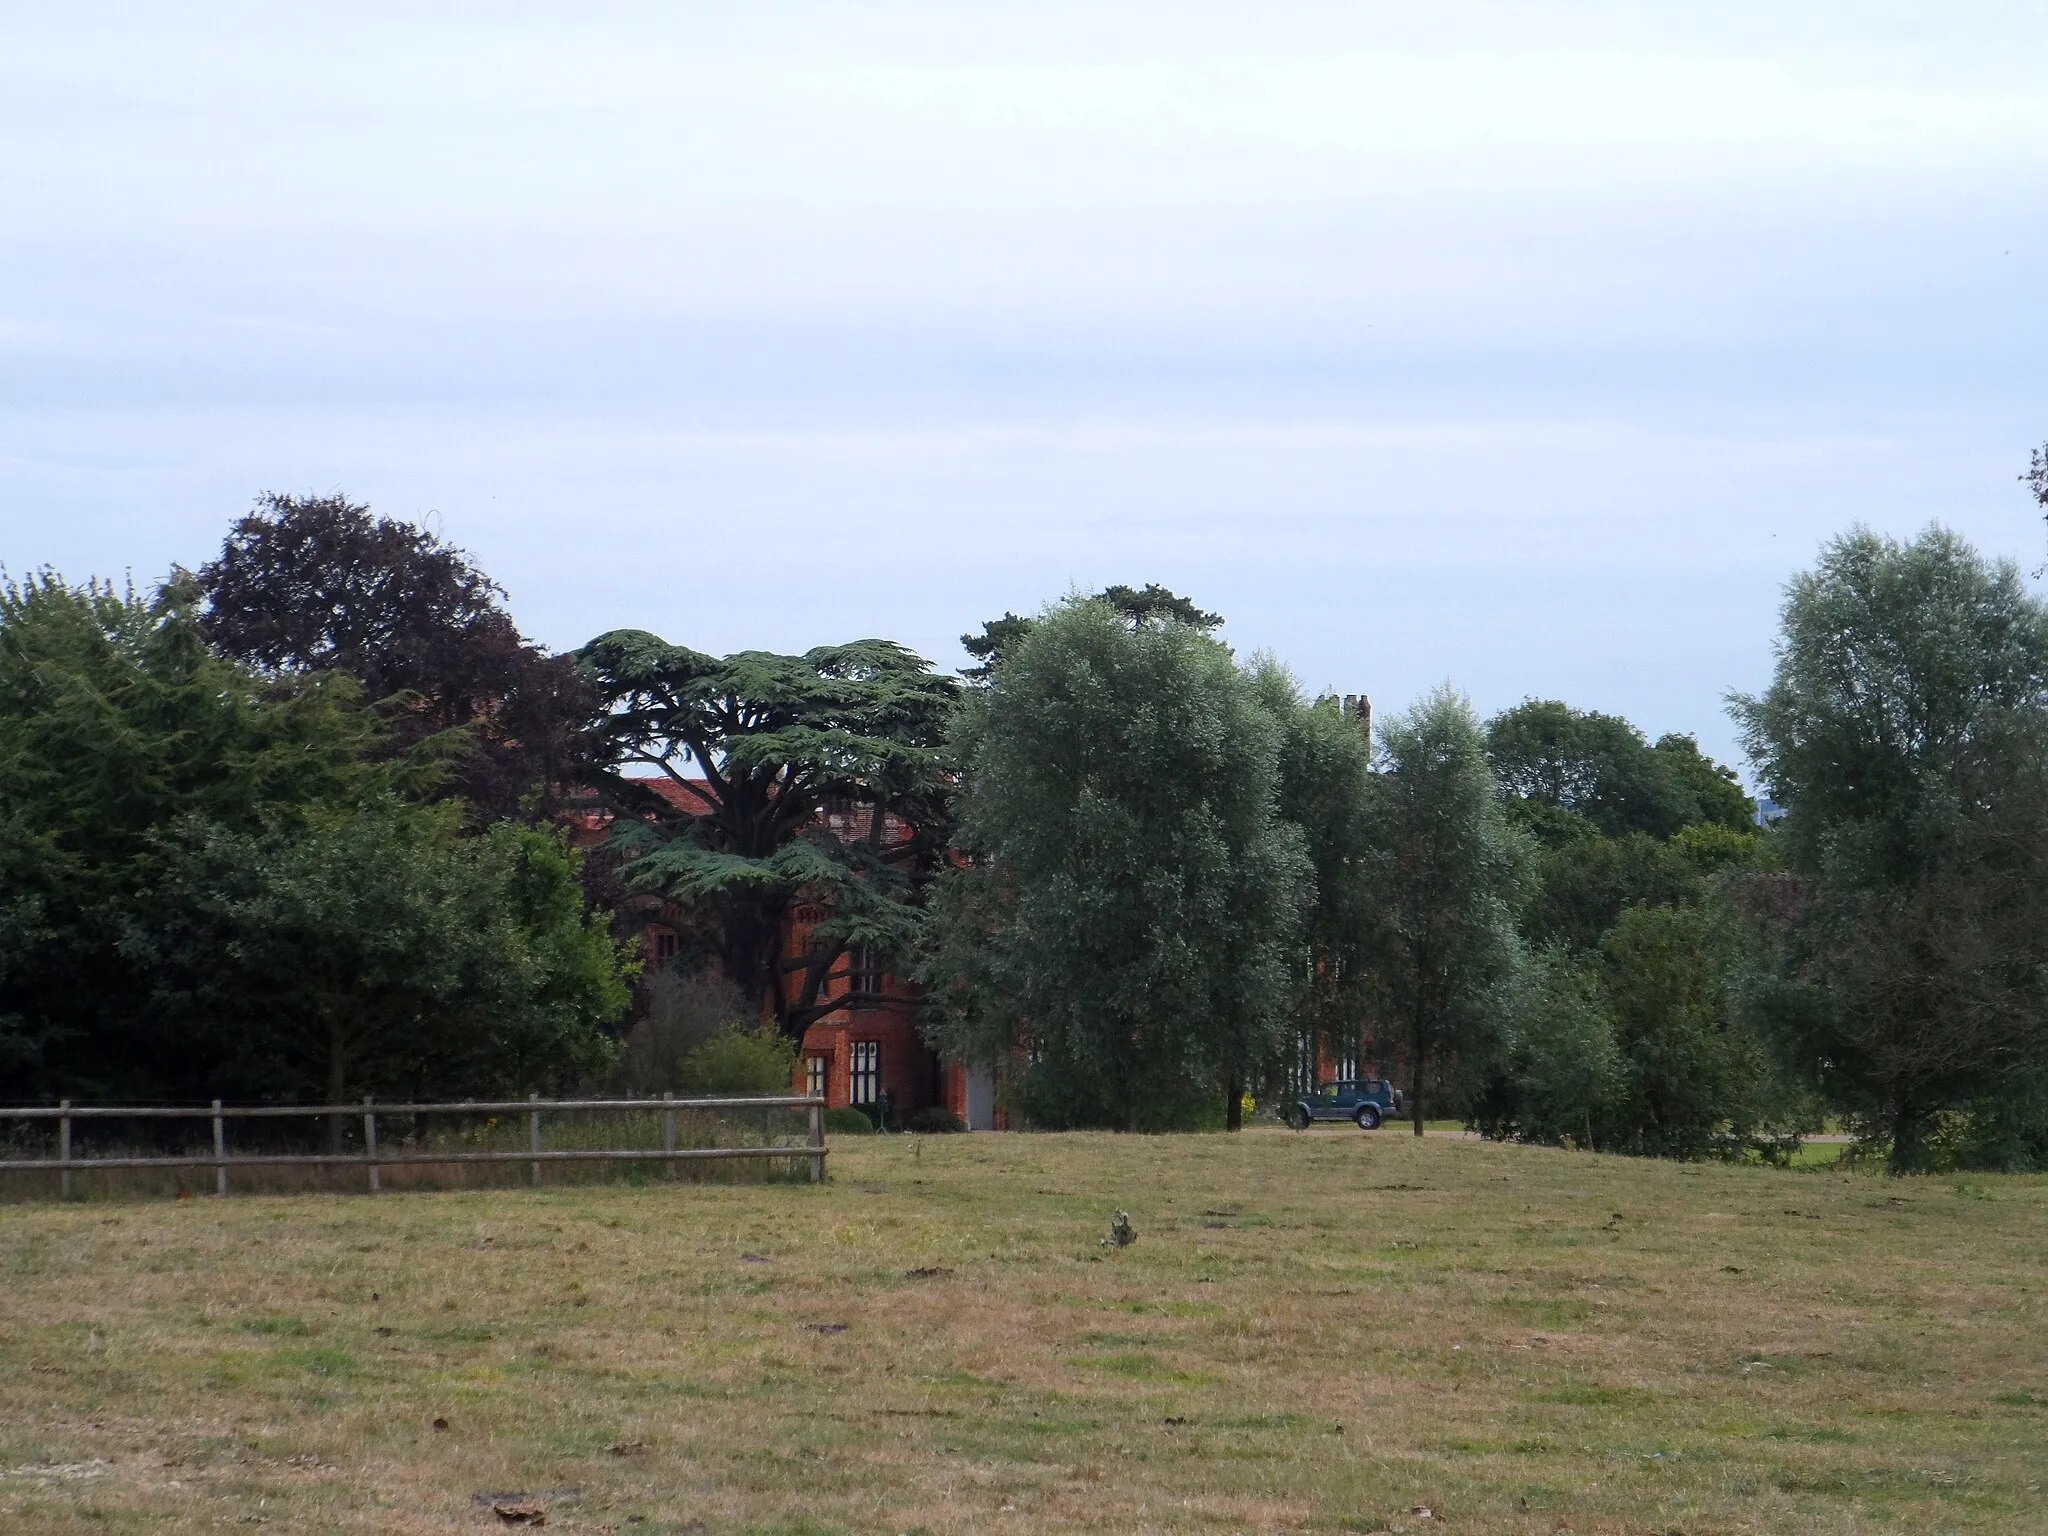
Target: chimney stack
1359,708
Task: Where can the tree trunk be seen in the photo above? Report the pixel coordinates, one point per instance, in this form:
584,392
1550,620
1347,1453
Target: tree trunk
1233,1107
1909,1137
1415,1077
337,1077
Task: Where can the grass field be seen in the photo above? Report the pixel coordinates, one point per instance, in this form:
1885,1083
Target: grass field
1324,1332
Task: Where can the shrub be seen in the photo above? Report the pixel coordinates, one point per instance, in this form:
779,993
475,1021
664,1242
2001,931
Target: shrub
935,1120
848,1122
739,1060
680,1012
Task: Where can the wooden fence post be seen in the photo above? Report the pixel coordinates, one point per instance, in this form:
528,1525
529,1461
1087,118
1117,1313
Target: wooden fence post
64,1150
370,1145
668,1129
533,1135
817,1144
220,1151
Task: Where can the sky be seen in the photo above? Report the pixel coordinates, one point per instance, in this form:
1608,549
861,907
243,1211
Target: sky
1527,346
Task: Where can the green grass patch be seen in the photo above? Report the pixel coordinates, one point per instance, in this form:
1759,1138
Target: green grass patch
1374,1326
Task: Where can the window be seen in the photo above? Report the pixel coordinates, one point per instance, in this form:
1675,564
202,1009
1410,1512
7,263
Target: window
864,969
664,947
815,1068
867,1072
1301,1064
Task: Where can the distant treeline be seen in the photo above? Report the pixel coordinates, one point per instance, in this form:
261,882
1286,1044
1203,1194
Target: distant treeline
298,825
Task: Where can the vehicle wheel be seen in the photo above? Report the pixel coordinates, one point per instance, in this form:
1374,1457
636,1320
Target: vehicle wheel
1297,1118
1368,1117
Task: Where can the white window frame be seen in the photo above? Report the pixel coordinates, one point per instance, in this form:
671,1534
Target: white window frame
864,1079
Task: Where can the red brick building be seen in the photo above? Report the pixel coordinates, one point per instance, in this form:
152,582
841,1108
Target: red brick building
865,1053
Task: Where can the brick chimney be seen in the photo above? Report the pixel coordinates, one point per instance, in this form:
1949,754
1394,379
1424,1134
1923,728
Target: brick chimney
1359,708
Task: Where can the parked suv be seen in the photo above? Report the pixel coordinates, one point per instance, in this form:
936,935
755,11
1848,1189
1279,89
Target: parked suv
1365,1103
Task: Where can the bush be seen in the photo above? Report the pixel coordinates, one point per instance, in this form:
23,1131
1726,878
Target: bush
680,1012
1555,1070
739,1060
935,1120
848,1122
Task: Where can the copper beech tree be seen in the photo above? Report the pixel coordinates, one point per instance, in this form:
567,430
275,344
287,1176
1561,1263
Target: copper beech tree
309,584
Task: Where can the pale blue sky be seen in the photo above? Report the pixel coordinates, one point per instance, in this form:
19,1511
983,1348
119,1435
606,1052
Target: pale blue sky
1528,345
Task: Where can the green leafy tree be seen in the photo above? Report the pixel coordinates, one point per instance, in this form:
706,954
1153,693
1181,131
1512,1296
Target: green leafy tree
1708,792
1150,605
1585,883
1553,1070
116,724
757,747
375,949
1450,876
1696,1079
1127,916
740,1060
217,884
1550,757
1903,730
1326,790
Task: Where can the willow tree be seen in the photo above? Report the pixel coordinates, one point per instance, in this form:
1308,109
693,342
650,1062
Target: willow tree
1449,876
1905,733
818,776
1326,789
1126,922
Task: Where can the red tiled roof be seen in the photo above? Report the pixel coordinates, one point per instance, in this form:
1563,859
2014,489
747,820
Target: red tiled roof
692,795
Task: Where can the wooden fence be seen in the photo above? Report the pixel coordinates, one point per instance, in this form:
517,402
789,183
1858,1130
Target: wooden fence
373,1160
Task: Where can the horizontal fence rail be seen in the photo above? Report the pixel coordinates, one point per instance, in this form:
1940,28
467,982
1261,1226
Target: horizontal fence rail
371,1159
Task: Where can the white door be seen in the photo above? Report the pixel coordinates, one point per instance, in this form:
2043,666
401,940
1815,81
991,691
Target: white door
981,1099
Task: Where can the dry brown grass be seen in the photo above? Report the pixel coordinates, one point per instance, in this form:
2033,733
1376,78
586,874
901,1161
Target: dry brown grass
1325,1332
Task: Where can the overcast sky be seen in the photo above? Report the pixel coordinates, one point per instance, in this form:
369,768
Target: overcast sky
1530,345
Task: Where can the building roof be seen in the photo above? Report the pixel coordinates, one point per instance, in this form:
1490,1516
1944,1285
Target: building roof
693,795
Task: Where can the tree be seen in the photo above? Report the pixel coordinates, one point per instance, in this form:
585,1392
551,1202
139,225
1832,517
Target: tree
374,948
852,731
216,886
1708,792
1553,1069
1449,878
1550,757
1326,790
987,648
1904,732
1150,606
316,584
1126,920
1584,884
1696,1080
117,723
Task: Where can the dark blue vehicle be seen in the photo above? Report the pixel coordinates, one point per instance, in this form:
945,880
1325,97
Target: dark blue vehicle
1364,1103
